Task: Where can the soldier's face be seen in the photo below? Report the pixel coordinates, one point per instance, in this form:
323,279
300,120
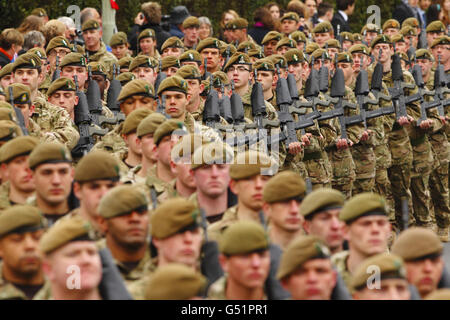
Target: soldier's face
163,150
285,215
333,51
102,82
359,57
176,52
90,193
176,103
368,235
181,169
347,69
6,81
212,180
296,69
180,248
250,191
433,35
136,102
401,47
195,87
385,52
128,231
346,45
147,145
28,77
120,51
269,47
442,50
327,226
425,66
321,38
191,34
91,38
288,26
18,172
239,35
131,140
370,35
391,32
314,280
147,45
240,74
26,110
145,73
425,274
72,71
57,52
267,80
53,182
20,254
212,57
249,271
59,265
170,71
390,289
64,99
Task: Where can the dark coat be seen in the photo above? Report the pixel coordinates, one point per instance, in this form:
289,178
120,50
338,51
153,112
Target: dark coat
161,35
258,33
338,19
403,12
4,60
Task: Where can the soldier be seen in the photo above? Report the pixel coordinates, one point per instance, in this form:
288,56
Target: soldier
300,38
392,274
191,34
17,184
195,87
238,31
333,47
270,41
144,68
284,45
367,230
423,260
435,29
290,22
347,40
6,76
414,23
306,271
245,262
323,32
52,174
147,44
439,49
74,64
170,65
57,47
191,57
209,49
409,33
400,44
391,28
172,47
321,209
124,64
21,275
370,31
62,93
268,79
283,195
119,45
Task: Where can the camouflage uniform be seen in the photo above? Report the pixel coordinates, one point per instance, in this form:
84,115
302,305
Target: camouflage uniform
124,167
112,141
132,176
104,57
339,260
10,292
217,290
4,195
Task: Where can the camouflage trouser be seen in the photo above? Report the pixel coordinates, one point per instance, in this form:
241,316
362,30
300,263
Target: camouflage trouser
422,200
363,185
383,187
439,195
400,178
343,171
345,186
316,186
316,168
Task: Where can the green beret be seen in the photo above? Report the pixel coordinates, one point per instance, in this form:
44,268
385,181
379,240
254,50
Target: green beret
398,38
298,36
361,205
174,282
286,42
172,42
416,244
173,216
255,53
284,186
39,12
347,36
125,62
391,23
344,57
61,84
49,152
439,294
370,27
211,153
189,72
73,59
323,27
440,40
143,61
118,38
57,42
271,35
7,111
245,46
223,50
149,124
90,25
165,129
21,93
404,57
411,22
20,219
6,70
311,47
191,55
147,33
290,16
249,164
263,65
8,128
359,48
390,267
133,120
357,37
424,54
122,200
137,87
220,78
243,237
294,56
317,54
321,200
191,22
74,228
27,60
186,146
125,77
97,165
39,52
278,59
408,31
173,83
381,38
436,27
19,146
237,58
208,43
299,251
97,68
237,23
333,43
170,61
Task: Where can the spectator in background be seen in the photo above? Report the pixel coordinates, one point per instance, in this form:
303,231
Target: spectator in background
310,12
52,29
206,29
227,16
325,12
300,9
177,16
30,23
70,28
88,14
345,9
33,39
445,11
274,9
11,42
406,9
422,9
263,24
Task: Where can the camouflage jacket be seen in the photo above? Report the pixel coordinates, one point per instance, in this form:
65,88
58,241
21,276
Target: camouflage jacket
104,57
4,195
10,292
112,141
340,262
217,290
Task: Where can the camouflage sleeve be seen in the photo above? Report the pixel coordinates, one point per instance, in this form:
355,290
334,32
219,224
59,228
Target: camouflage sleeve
354,132
376,126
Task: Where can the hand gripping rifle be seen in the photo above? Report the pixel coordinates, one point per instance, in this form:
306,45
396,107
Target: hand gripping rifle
113,94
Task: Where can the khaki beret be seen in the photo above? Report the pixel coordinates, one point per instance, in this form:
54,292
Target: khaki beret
440,40
2,92
408,31
136,87
61,84
323,27
133,120
404,57
147,33
173,83
125,62
118,38
391,23
191,55
294,56
125,77
186,146
19,219
245,46
237,58
19,146
424,54
263,65
165,129
174,282
299,251
143,61
255,53
344,57
284,186
90,25
97,165
290,43
370,27
40,52
8,128
39,12
333,43
170,61
311,47
278,59
6,70
243,237
321,200
249,164
271,35
149,124
381,38
361,205
189,72
74,228
57,42
436,27
417,243
49,152
398,38
318,54
440,294
208,43
97,67
298,36
73,59
27,60
347,36
172,42
410,22
220,78
211,153
237,23
231,48
389,266
122,200
21,93
357,37
290,16
191,22
174,216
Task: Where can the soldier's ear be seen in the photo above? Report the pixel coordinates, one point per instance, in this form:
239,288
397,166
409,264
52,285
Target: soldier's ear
233,187
77,190
307,226
223,260
102,223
